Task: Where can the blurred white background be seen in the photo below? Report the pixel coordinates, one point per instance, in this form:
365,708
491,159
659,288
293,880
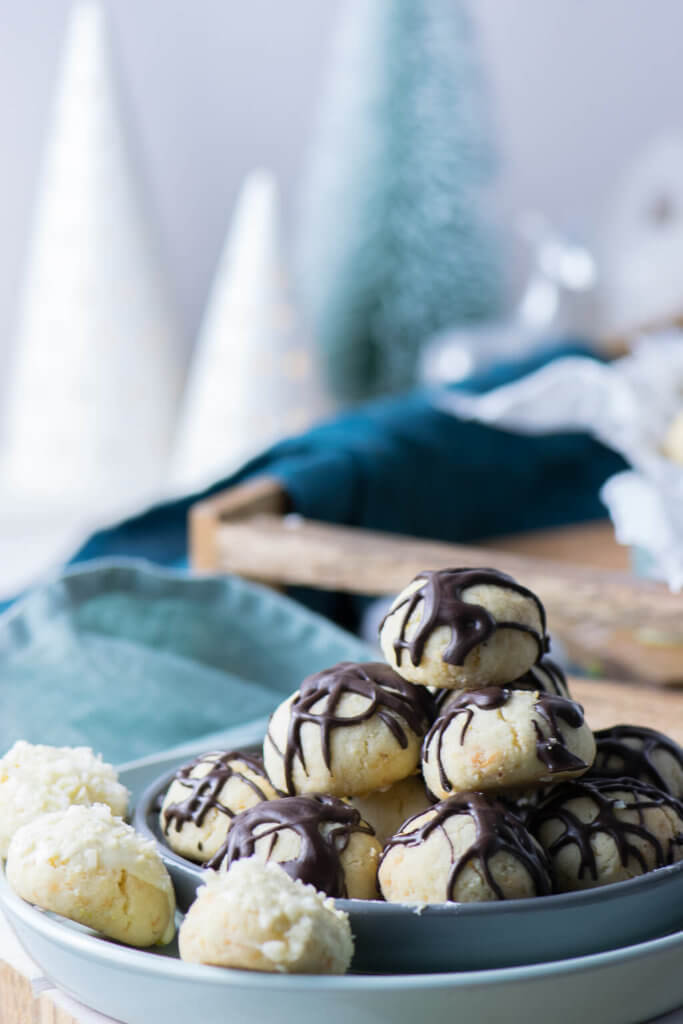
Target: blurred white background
218,86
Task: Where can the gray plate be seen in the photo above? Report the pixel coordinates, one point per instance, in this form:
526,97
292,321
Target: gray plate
625,986
450,936
622,986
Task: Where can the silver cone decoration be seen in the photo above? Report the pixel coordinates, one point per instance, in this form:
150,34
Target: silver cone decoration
98,359
254,378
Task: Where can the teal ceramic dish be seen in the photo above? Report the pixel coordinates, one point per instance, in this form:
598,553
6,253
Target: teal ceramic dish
464,937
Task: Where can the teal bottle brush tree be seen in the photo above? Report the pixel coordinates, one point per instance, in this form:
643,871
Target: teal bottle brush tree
395,240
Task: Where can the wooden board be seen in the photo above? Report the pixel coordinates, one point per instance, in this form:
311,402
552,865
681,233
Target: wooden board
610,622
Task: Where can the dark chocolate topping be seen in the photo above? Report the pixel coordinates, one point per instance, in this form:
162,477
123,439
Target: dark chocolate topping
395,701
607,796
497,831
637,761
487,699
470,624
204,793
318,862
545,676
551,749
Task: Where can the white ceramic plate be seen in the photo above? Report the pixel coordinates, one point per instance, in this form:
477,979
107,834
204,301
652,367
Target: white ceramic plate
624,986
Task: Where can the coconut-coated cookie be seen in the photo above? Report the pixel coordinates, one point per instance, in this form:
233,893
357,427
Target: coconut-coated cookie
320,840
466,849
35,779
597,831
206,795
91,867
498,738
386,809
464,628
639,753
255,917
348,730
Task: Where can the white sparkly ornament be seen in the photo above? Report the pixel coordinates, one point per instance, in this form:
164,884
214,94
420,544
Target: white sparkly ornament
98,362
255,377
641,255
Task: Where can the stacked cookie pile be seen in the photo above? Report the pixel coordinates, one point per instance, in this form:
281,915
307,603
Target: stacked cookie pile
459,770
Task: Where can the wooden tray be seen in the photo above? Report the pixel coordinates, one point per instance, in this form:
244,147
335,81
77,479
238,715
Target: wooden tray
611,623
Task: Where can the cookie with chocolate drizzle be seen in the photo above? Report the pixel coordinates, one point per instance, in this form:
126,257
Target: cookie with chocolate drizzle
468,848
464,628
205,796
498,738
348,730
639,753
546,677
319,839
598,831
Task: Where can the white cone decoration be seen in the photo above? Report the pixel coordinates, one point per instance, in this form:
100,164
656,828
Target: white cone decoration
642,250
255,376
97,360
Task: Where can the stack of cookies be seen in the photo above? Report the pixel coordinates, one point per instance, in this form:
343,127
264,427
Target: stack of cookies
459,770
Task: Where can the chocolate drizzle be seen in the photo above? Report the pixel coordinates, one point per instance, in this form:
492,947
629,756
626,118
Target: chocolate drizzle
394,701
545,676
635,761
607,796
319,860
497,831
470,624
487,699
204,792
551,749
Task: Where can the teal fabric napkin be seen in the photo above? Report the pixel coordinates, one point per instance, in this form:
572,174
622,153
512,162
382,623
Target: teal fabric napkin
131,660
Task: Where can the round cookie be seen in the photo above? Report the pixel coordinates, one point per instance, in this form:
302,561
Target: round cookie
320,840
598,831
545,677
639,753
35,779
464,628
255,917
348,730
467,849
498,738
206,795
89,866
386,809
